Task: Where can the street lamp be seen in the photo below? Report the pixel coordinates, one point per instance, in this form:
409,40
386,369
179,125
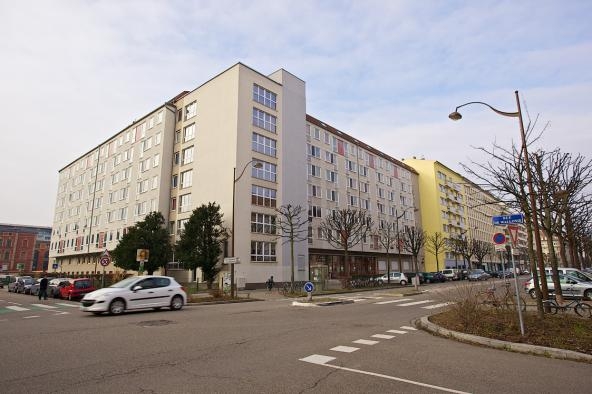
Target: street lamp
518,114
235,180
537,235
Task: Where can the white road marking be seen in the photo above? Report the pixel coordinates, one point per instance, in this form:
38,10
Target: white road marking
397,331
416,303
30,317
322,360
345,349
45,306
408,328
365,342
61,313
437,305
392,301
317,359
70,305
382,336
17,308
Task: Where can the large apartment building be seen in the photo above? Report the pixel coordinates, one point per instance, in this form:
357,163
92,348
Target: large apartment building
239,140
457,208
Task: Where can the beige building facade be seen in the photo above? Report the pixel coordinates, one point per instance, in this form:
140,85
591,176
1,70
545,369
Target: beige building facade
244,141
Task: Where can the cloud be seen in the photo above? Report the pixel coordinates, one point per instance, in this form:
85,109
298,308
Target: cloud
387,72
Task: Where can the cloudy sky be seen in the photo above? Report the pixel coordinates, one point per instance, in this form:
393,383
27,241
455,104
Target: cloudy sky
74,73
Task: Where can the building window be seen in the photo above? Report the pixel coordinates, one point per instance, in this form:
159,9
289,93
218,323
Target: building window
185,203
314,151
332,195
189,132
314,191
181,225
353,201
331,176
351,166
263,251
264,120
186,179
264,96
173,203
267,172
176,157
190,110
264,145
175,181
314,211
352,183
263,196
187,155
156,160
261,223
314,170
330,157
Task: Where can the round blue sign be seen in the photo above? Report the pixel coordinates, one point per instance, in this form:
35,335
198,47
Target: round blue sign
309,287
499,238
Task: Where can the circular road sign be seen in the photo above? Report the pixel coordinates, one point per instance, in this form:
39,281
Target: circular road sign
309,287
499,238
105,261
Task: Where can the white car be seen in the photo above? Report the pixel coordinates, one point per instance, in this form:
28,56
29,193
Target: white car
137,292
396,277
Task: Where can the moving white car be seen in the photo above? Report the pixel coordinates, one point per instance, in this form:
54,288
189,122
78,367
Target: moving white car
137,292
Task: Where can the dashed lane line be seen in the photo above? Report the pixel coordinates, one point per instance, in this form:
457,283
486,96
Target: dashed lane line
17,308
416,303
392,301
44,306
70,305
397,331
408,328
345,349
382,336
365,342
30,317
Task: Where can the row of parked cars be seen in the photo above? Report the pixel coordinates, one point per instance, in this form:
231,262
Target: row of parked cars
404,278
135,292
574,283
67,288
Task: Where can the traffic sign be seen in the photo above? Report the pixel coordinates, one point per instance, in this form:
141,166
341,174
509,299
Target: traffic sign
499,238
105,261
508,219
231,260
513,230
309,287
54,266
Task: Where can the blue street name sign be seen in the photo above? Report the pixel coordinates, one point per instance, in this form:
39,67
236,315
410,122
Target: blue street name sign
508,219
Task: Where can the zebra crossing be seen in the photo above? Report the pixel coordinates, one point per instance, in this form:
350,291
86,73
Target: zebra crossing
399,302
29,311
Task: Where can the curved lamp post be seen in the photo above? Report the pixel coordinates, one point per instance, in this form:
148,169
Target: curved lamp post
234,181
537,235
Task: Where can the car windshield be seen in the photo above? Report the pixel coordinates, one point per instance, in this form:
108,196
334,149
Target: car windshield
124,283
477,271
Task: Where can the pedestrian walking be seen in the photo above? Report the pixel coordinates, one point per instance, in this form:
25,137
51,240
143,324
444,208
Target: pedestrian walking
270,283
43,288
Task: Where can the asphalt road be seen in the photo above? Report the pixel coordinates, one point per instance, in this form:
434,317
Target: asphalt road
260,347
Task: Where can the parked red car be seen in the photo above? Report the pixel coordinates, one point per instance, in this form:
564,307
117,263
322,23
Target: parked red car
75,288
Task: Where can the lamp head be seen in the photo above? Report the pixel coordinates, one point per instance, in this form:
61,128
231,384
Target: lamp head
455,115
258,165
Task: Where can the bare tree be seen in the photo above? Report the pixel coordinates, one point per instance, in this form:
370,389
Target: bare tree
389,239
344,229
482,249
293,227
414,242
435,244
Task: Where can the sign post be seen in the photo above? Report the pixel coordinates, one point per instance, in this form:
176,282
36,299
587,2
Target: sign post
232,261
309,288
105,260
510,221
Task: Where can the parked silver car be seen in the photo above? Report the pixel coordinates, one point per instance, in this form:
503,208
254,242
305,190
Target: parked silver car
478,274
396,277
23,284
571,287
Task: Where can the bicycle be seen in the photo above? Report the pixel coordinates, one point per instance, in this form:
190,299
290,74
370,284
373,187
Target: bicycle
506,301
580,308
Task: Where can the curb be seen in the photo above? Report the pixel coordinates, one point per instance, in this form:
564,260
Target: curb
562,354
222,302
328,303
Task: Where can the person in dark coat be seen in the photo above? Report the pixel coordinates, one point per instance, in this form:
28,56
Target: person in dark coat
43,288
270,283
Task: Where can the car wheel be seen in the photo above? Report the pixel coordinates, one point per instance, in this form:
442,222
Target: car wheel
97,313
532,294
588,294
116,307
176,303
157,308
403,282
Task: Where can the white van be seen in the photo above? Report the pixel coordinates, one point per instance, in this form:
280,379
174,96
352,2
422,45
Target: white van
452,273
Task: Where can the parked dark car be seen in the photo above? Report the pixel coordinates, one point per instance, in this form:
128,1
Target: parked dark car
434,277
411,275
